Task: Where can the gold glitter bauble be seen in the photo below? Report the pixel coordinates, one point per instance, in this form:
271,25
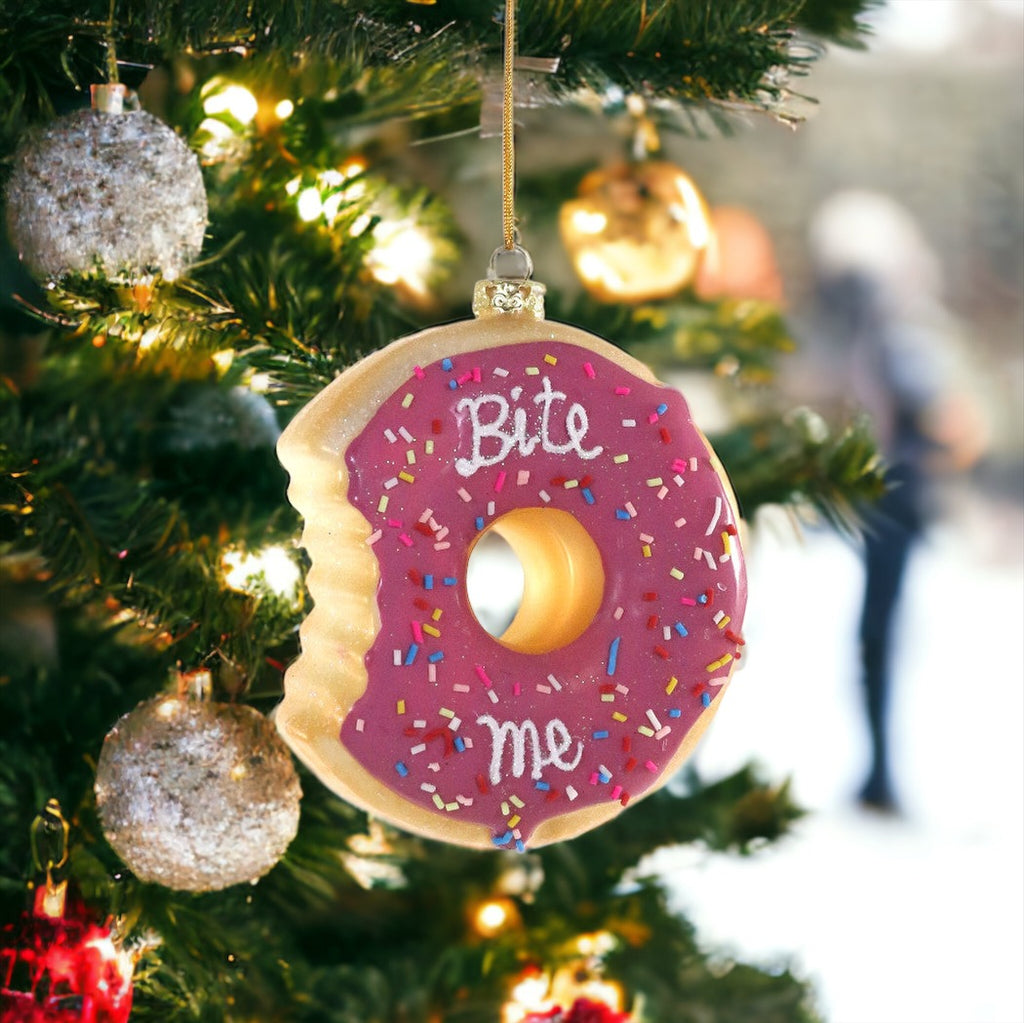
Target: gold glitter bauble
116,195
197,796
636,232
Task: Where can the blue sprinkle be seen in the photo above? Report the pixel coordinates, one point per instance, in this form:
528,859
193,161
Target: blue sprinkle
460,744
543,786
622,514
662,409
680,628
502,839
437,655
520,847
705,698
603,734
479,522
401,768
604,776
702,599
613,654
453,385
587,495
428,582
675,712
449,580
446,365
411,655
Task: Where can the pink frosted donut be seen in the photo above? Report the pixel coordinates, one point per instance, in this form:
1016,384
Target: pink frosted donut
634,583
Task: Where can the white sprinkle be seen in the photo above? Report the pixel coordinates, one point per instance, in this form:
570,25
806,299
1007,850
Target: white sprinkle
624,690
544,689
467,741
465,800
679,522
374,537
418,749
434,524
554,682
629,422
420,723
390,436
724,558
571,792
442,533
698,553
545,496
397,659
516,391
666,632
678,480
453,725
360,725
492,695
393,482
523,478
406,435
435,767
662,493
714,518
646,538
718,616
653,718
490,507
427,512
618,613
604,770
460,687
427,787
499,372
693,465
710,559
442,546
662,732
464,494
631,509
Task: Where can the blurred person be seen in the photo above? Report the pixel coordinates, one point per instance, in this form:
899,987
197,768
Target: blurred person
890,347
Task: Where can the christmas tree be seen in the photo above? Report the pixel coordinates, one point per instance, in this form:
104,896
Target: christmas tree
161,327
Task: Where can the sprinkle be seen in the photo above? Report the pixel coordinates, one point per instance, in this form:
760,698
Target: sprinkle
688,601
516,801
517,689
360,725
679,627
594,778
426,786
714,518
632,511
446,365
374,537
662,493
417,632
411,656
679,465
705,698
710,559
544,496
554,682
407,476
589,370
523,477
571,484
505,811
551,360
481,784
498,371
587,495
466,377
674,712
428,582
679,523
622,515
630,764
616,792
646,538
401,768
693,465
661,652
500,481
460,747
546,690
734,637
618,613
676,573
651,766
607,697
431,630
482,675
531,371
620,688
678,480
646,550
449,580
437,655
410,457
453,385
397,658
407,400
571,792
464,494
382,504
406,539
391,483
490,507
620,459
629,422
613,654
672,683
619,716
644,730
601,733
605,774
726,543
622,390
479,522
655,481
652,418
436,614
438,801
390,436
543,786
720,663
477,375
502,839
666,437
432,667
406,435
653,718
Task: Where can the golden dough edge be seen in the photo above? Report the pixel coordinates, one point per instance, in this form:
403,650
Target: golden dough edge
329,675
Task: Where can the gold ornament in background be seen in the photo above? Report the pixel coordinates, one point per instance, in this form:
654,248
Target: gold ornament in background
636,232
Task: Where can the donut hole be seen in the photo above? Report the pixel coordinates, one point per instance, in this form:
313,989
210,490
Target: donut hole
535,579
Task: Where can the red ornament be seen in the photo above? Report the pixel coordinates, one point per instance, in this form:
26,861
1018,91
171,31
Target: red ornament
62,967
583,1010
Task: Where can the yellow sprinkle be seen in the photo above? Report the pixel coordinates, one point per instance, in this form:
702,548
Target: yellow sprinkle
437,614
726,543
446,713
451,806
532,371
655,481
400,706
569,484
720,663
646,549
619,459
431,631
724,622
551,360
516,801
619,716
407,400
514,820
407,476
428,447
644,730
410,457
504,809
382,504
607,697
676,573
672,683
438,801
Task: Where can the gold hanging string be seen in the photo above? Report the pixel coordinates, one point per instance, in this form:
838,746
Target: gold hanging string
112,74
508,145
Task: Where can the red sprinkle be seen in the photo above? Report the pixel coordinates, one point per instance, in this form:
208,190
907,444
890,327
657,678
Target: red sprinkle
422,527
631,763
650,596
652,622
625,799
661,652
735,638
730,529
552,795
666,437
415,577
710,594
627,744
422,604
435,426
557,481
481,784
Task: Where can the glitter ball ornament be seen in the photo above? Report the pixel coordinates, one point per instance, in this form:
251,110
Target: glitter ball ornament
636,231
195,795
117,195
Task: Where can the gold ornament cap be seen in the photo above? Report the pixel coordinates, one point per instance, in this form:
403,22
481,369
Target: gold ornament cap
508,289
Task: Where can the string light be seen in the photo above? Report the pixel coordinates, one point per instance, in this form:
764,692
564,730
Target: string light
272,566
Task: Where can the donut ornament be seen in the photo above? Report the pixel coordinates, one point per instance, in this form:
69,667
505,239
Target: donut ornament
634,590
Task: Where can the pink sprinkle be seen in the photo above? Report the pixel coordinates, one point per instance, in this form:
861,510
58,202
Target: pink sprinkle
460,687
466,377
662,732
418,370
523,478
374,537
622,390
688,601
406,539
619,612
482,675
417,631
616,792
653,417
662,492
517,689
431,672
442,546
651,766
476,375
679,465
631,509
693,464
396,523
500,481
595,778
464,494
589,370
427,512
360,725
679,522
442,533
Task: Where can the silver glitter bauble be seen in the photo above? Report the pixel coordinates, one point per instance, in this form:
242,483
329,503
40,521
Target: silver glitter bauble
197,796
116,195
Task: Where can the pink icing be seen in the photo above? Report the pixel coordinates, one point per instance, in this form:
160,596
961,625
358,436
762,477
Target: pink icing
443,715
